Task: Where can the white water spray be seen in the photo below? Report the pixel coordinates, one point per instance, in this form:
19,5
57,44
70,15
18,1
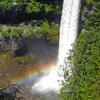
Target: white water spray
68,33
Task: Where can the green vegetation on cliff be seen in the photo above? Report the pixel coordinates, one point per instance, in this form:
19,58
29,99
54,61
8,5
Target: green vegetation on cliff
84,84
32,30
33,5
38,18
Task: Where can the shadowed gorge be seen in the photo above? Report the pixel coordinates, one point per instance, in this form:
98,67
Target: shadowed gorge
41,58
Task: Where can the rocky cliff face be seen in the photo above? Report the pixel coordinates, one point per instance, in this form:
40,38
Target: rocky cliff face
18,15
8,45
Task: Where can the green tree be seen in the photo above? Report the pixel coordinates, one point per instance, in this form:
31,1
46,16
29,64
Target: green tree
84,84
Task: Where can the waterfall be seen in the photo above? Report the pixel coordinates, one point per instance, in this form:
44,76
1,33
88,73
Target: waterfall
68,31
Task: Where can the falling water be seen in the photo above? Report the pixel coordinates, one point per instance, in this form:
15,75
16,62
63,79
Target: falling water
68,33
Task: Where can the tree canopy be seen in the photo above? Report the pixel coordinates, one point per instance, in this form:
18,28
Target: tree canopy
84,84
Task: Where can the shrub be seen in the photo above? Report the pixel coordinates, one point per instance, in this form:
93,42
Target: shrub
84,83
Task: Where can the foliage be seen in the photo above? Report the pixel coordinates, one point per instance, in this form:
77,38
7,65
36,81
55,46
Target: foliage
84,84
5,4
33,7
85,81
48,8
8,31
90,1
8,59
15,31
35,29
53,33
